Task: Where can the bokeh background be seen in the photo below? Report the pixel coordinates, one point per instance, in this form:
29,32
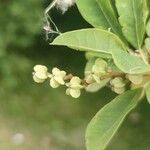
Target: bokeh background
36,117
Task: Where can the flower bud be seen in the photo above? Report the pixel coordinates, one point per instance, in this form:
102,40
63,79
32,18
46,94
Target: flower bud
74,87
54,83
135,79
94,87
96,77
74,93
57,78
38,80
102,63
100,66
40,73
95,68
88,71
117,82
119,90
89,78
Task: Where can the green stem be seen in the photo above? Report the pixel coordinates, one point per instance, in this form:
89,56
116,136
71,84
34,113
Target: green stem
50,6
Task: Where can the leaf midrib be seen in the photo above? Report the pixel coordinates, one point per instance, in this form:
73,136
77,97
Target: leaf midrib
122,116
111,25
124,113
136,27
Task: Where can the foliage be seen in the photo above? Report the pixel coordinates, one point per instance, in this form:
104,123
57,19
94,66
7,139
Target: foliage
119,31
113,45
105,123
20,24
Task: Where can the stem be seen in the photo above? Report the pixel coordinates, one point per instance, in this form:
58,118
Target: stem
147,74
107,76
47,16
68,77
50,6
113,75
140,53
143,56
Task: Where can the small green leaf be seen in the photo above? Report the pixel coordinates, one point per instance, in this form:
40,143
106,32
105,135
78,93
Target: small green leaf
133,15
148,92
110,17
113,3
147,44
135,78
92,14
94,87
90,64
107,121
113,67
148,28
93,40
89,55
148,4
129,63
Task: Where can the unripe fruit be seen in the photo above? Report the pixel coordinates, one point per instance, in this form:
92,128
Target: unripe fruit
117,82
118,85
40,73
57,78
74,87
119,90
135,79
95,68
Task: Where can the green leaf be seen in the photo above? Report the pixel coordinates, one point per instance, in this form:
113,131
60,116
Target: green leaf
148,28
129,63
94,87
113,67
136,79
89,64
100,16
148,4
113,3
148,92
107,121
147,44
110,17
133,15
98,54
94,40
92,14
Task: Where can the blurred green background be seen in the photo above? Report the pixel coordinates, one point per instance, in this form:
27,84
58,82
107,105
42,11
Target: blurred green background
36,117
